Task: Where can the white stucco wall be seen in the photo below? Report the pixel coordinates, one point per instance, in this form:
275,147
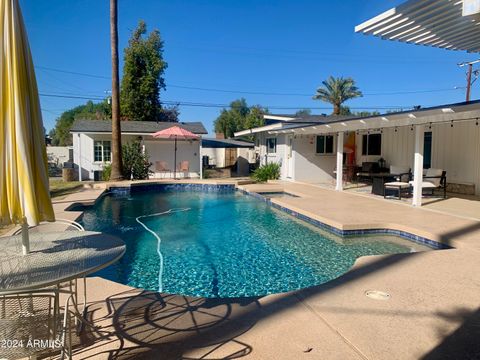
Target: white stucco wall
309,166
83,156
277,157
163,150
158,150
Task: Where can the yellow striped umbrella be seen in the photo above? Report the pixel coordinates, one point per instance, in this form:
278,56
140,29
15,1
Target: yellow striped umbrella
24,193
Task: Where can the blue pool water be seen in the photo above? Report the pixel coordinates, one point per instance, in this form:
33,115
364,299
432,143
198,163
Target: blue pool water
224,245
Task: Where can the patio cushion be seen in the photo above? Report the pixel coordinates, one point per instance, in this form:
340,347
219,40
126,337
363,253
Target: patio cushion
397,170
434,172
397,184
426,184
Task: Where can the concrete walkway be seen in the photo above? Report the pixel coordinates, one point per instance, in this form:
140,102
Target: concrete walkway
433,310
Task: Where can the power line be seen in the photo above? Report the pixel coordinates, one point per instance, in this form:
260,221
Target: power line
246,92
72,72
220,105
303,94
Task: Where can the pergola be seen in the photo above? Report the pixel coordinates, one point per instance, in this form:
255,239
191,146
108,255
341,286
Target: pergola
418,120
448,24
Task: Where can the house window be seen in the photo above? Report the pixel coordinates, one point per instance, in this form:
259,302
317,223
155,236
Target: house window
102,151
372,144
324,144
271,145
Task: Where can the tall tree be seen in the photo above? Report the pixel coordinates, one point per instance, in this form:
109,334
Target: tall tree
116,126
336,91
239,117
303,112
143,76
90,111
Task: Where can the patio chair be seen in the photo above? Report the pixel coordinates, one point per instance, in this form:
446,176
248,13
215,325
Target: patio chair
184,168
368,169
434,179
162,168
35,322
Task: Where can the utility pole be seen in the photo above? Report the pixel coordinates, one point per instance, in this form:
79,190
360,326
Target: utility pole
469,76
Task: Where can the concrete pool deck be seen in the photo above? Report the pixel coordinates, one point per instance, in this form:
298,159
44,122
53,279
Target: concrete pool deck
433,311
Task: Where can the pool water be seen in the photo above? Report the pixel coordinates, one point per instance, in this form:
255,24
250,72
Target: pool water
224,245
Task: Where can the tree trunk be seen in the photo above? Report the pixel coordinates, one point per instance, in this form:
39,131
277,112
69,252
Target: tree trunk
336,109
116,126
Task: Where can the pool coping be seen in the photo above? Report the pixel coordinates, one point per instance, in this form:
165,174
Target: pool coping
276,204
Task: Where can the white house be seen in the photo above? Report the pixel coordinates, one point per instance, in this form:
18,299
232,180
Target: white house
92,146
311,149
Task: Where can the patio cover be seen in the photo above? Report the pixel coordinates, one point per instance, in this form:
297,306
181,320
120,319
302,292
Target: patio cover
437,23
440,114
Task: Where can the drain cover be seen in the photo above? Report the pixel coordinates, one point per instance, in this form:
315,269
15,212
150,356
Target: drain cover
377,295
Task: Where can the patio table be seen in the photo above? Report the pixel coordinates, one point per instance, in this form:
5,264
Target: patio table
378,182
54,258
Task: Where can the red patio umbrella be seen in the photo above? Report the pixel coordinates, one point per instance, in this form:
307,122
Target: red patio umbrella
175,132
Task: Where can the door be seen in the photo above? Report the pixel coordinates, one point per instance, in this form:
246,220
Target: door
289,157
230,156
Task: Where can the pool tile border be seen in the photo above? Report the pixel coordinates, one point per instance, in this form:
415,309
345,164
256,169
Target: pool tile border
127,190
340,232
228,188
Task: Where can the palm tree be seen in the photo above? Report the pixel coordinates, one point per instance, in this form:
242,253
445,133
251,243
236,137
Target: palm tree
116,173
336,91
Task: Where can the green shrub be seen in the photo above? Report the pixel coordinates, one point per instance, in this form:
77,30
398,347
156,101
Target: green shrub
107,172
267,172
136,164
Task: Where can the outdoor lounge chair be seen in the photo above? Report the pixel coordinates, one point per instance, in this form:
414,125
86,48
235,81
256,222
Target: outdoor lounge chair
162,168
184,168
367,170
434,179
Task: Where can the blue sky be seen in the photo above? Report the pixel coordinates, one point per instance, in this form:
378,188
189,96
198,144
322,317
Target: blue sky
285,47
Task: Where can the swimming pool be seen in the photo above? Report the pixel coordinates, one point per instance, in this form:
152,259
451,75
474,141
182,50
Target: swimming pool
224,245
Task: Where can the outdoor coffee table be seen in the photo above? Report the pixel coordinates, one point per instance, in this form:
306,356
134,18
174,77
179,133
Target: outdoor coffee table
378,181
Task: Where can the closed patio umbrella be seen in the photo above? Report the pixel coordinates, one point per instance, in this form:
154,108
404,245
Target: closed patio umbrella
175,132
24,189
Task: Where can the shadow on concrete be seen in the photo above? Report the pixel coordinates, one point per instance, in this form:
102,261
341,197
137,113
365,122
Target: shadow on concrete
159,326
149,325
464,343
447,237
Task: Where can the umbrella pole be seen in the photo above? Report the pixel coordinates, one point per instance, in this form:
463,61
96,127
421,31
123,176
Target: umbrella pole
175,160
25,238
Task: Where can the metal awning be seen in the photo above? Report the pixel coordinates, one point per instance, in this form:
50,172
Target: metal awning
437,23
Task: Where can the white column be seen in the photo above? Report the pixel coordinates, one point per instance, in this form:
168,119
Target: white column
339,186
79,157
418,166
201,158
